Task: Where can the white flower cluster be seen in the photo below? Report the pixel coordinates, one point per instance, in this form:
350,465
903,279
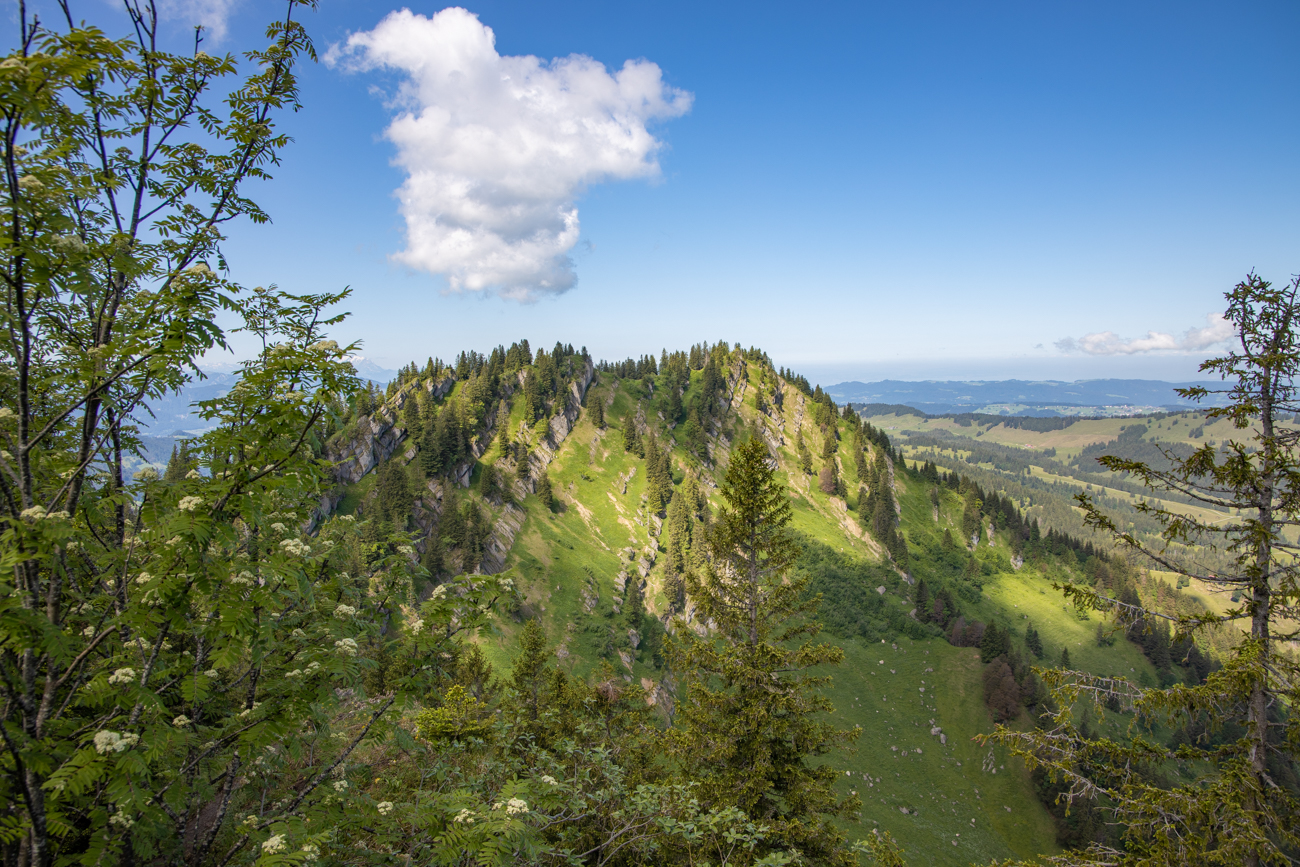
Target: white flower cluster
189,504
67,244
121,820
343,612
514,806
346,646
295,547
340,785
417,625
311,852
193,474
114,742
122,675
407,550
143,578
89,631
549,780
384,807
212,672
35,513
244,578
274,845
465,817
182,721
439,591
279,528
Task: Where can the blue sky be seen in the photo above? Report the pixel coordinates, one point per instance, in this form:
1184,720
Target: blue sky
865,190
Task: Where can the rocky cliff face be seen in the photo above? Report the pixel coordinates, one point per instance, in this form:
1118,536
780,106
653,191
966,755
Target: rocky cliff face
561,426
376,436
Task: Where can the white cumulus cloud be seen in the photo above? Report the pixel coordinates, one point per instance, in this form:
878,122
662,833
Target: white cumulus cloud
212,15
497,149
1217,330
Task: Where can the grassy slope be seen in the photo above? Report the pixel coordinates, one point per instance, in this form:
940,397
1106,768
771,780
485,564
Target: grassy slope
566,564
1071,440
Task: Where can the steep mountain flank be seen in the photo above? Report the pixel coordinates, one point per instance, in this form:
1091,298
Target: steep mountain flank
593,487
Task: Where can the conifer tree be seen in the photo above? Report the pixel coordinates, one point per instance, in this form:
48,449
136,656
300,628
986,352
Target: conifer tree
433,557
696,436
395,497
658,475
1241,805
829,443
530,677
922,600
995,643
1034,642
970,518
503,432
631,436
679,535
805,456
544,492
179,464
411,412
597,412
752,717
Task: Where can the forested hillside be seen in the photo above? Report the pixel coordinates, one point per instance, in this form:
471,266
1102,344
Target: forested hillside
593,485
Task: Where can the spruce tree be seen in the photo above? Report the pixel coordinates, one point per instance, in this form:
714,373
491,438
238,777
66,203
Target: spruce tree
993,644
1033,641
411,413
543,491
631,436
1241,804
829,443
922,600
752,718
179,464
679,535
659,479
597,411
530,679
503,433
805,456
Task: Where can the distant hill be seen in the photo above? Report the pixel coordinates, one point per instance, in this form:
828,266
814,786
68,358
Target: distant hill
1022,397
174,415
367,369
